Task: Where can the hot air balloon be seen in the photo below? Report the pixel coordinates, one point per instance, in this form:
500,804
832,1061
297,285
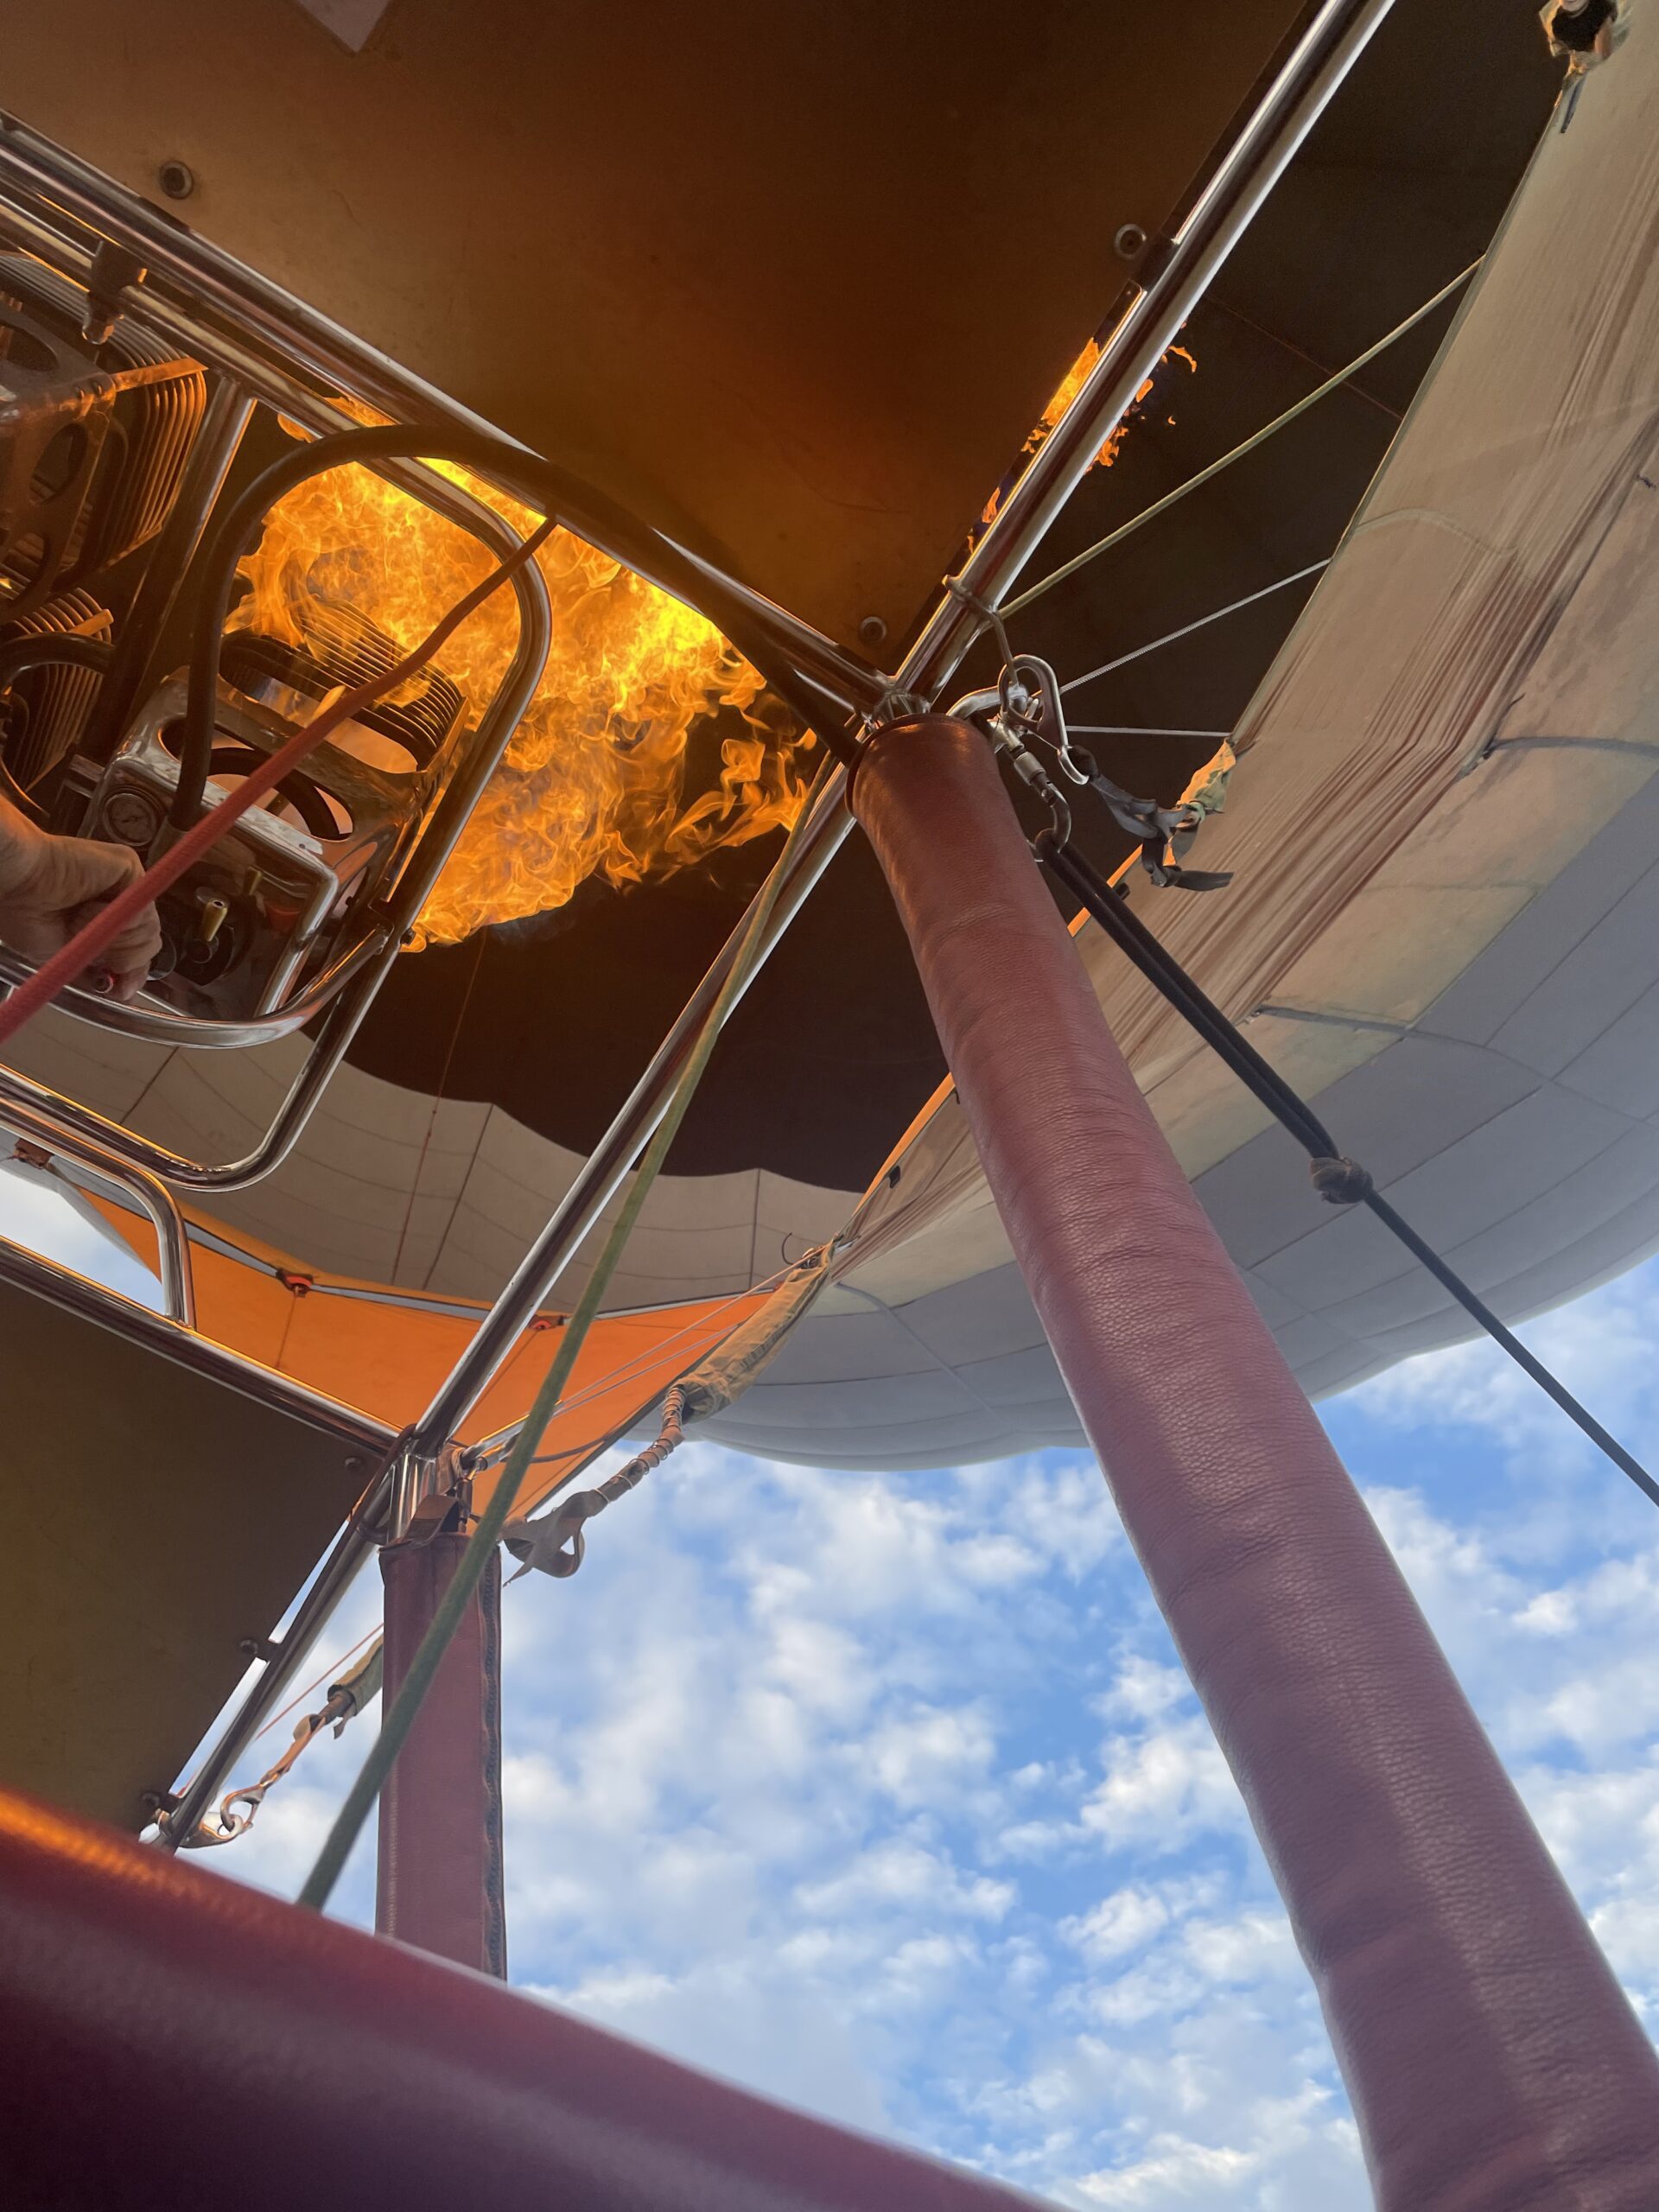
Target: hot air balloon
1274,387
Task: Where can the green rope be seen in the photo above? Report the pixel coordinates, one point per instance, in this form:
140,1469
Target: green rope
486,1534
1013,606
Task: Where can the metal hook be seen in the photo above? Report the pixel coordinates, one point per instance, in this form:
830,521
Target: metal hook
1030,690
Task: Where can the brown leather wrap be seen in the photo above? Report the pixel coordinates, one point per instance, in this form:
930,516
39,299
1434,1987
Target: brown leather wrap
172,2039
1493,2061
440,1884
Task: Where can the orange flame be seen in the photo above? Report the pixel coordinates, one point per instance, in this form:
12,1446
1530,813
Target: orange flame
593,782
1070,385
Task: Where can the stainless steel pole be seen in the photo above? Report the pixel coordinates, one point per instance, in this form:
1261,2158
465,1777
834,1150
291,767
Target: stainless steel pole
366,1439
199,294
1327,50
355,1543
361,974
147,1192
1312,73
603,1171
1292,103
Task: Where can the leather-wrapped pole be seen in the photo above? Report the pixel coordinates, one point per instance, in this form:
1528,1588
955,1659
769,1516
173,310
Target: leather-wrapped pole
173,2038
1493,2061
440,1877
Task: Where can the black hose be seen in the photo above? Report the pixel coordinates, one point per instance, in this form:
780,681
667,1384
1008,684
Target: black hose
44,649
1337,1178
301,794
1112,911
540,484
48,649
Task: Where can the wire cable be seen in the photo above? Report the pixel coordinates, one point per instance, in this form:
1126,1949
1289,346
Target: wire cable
1203,623
1138,729
1339,1179
1027,598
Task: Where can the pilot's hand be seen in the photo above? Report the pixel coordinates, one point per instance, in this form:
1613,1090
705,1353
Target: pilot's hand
50,885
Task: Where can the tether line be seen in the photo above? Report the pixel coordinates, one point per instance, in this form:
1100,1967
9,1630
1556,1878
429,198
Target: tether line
1204,621
1025,599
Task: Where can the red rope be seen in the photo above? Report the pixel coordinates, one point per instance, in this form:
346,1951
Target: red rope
83,949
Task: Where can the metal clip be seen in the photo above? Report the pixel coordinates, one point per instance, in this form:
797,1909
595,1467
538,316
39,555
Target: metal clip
1030,694
555,1544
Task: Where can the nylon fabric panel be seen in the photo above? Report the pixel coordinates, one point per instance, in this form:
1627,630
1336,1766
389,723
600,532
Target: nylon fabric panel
388,1359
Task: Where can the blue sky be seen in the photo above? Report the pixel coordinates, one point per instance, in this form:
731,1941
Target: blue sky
886,1796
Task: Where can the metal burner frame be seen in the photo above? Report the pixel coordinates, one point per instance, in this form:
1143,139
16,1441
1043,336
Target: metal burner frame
266,345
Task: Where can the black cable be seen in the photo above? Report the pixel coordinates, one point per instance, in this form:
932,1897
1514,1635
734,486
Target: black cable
305,798
44,649
540,484
52,649
1339,1180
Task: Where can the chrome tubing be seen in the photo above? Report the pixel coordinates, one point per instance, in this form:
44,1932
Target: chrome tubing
354,1545
1303,86
102,1165
604,1170
299,341
183,269
367,1438
356,976
156,1025
1251,167
223,352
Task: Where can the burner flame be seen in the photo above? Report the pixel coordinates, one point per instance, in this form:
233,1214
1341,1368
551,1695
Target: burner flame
1070,385
593,782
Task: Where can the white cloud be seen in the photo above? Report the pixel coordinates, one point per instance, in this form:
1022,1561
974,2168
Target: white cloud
1254,1947
928,1753
1120,1924
1602,1348
904,1874
1162,1788
1142,1689
769,2036
886,1796
1290,2151
1171,2171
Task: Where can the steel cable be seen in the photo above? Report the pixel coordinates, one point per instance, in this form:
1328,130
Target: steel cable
1339,1179
1022,599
